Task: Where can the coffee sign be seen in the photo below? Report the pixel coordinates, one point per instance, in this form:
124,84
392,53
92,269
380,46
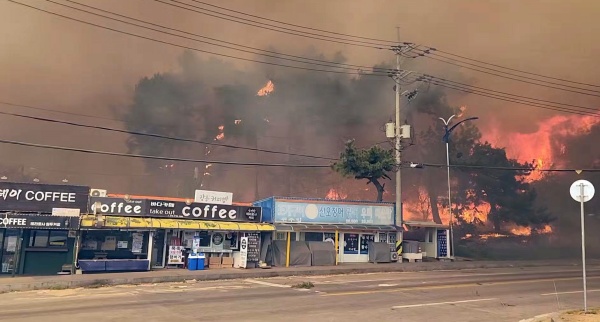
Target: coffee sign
42,198
173,209
38,221
118,206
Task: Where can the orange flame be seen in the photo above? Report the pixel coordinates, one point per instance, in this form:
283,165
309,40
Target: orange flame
221,135
546,230
333,194
521,231
537,146
462,109
267,89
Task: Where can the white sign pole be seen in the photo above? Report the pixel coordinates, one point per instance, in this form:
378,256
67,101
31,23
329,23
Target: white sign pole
582,191
581,198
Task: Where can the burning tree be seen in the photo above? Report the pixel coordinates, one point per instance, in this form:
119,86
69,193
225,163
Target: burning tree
494,195
371,164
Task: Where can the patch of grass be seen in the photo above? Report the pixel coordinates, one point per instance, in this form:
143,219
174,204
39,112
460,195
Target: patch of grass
58,287
304,285
580,312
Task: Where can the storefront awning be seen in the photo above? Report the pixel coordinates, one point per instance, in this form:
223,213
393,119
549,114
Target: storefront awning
331,227
425,224
90,221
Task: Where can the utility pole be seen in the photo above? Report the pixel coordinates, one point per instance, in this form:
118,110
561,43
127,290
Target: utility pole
398,76
398,148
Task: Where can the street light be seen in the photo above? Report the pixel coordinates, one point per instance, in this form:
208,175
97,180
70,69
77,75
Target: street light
446,139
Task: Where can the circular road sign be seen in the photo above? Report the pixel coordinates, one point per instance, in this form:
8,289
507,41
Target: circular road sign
588,190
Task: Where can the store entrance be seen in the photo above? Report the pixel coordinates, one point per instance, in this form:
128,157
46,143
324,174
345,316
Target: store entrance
8,248
159,247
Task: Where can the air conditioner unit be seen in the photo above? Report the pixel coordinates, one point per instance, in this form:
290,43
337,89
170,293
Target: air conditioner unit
394,256
98,192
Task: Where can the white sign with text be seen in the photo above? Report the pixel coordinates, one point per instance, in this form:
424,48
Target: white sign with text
243,252
213,197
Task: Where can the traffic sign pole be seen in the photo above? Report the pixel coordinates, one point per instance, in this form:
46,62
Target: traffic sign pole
583,191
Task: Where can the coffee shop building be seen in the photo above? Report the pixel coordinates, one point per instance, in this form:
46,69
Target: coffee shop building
134,234
38,227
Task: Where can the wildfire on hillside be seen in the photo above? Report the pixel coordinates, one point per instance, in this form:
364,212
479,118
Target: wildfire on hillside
537,147
334,194
267,89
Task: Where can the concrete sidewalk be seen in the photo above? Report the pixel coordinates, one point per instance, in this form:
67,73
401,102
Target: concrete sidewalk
26,283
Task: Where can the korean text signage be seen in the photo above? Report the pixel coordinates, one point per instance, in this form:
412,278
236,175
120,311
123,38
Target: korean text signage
118,206
42,198
173,209
329,213
38,221
213,197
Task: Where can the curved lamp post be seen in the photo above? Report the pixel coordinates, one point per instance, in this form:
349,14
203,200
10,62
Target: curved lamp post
446,139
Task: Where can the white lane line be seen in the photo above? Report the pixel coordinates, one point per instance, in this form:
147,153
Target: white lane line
440,303
267,283
571,292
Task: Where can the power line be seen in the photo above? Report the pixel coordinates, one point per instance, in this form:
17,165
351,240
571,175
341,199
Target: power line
426,55
61,112
104,128
293,25
273,54
512,78
271,27
514,100
516,70
511,94
192,48
382,42
484,167
151,157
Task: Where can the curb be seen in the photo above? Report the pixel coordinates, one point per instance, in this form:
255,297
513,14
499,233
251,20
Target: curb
256,273
552,316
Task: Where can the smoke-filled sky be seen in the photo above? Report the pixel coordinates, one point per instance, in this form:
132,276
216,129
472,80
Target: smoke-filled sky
49,62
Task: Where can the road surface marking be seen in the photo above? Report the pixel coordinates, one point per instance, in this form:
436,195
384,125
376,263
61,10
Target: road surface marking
267,283
440,303
571,292
463,285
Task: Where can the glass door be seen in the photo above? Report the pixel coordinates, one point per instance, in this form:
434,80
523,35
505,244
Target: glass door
9,248
158,248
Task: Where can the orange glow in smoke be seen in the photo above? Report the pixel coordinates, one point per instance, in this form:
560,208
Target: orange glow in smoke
521,231
546,230
334,194
462,109
267,89
536,147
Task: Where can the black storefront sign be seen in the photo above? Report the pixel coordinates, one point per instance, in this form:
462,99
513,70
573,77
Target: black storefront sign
42,198
253,247
118,206
9,220
174,209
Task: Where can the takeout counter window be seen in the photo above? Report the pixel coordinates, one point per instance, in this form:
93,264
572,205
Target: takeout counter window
114,244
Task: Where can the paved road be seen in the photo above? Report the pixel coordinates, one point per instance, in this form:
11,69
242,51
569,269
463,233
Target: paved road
466,295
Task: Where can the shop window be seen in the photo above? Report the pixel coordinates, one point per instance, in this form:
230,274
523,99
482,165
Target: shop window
393,238
48,238
231,239
383,238
114,245
365,239
350,243
318,237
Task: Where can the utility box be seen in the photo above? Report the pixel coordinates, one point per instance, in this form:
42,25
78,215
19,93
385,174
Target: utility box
405,132
390,130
